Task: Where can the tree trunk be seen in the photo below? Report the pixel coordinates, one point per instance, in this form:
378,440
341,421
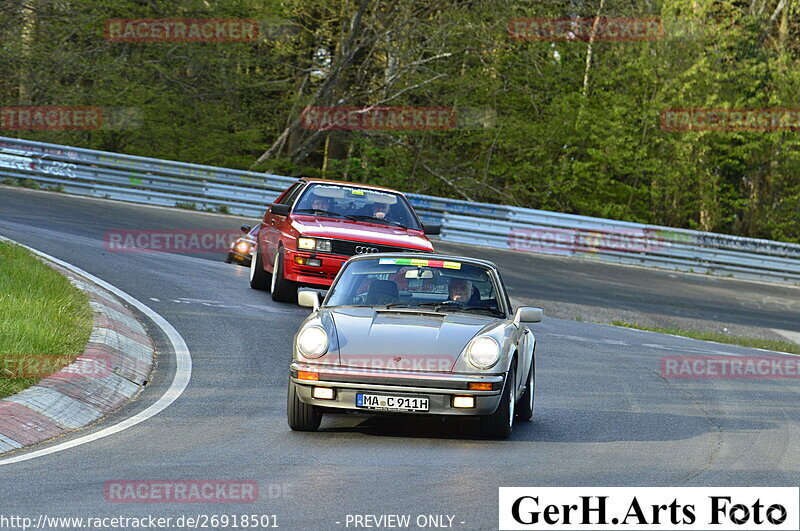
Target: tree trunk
26,36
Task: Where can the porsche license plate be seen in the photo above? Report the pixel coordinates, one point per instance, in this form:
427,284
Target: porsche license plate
392,403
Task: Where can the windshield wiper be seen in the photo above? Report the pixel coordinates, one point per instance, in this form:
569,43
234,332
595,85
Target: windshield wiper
442,304
363,217
399,305
448,305
319,212
493,311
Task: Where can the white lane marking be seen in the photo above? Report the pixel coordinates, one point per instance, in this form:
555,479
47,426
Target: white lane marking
221,304
792,336
183,369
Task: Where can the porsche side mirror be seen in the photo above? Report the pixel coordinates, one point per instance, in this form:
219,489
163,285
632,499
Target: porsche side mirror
432,228
528,314
308,298
245,228
279,209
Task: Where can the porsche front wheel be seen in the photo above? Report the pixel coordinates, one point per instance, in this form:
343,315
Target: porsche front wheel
301,416
500,423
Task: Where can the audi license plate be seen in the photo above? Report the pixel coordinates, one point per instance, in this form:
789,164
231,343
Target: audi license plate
392,403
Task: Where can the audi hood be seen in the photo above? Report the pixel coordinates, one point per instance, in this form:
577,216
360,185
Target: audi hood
345,229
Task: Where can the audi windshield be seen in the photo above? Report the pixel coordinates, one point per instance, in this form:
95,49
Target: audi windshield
357,204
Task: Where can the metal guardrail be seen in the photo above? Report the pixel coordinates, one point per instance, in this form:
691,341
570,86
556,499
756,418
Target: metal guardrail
170,183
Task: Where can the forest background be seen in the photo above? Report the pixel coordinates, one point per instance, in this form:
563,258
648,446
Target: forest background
570,125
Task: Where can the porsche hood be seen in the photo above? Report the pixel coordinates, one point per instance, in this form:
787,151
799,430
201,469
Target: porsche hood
403,339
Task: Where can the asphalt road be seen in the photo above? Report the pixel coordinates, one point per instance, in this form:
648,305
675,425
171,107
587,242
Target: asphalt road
603,415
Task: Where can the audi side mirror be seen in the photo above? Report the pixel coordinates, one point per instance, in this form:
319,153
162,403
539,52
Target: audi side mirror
432,228
279,209
245,228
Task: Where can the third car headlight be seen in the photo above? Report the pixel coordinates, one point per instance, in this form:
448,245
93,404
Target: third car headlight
483,352
312,342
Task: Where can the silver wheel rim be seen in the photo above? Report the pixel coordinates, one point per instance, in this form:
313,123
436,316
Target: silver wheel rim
253,264
530,388
511,405
274,272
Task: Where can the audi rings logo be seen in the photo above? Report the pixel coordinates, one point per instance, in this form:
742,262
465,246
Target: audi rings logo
363,249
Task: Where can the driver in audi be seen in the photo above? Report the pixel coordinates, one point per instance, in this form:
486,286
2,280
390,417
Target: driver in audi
321,203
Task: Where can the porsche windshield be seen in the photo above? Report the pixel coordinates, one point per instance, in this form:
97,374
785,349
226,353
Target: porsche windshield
357,204
440,285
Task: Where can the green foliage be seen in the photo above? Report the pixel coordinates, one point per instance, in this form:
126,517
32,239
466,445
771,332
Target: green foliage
564,133
45,320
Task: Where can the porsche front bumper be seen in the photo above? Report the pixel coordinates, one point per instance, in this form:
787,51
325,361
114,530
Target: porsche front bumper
439,388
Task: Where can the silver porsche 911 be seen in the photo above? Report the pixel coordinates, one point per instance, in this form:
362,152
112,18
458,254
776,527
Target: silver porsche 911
408,333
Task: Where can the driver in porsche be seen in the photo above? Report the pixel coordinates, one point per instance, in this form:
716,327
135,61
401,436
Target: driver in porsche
460,289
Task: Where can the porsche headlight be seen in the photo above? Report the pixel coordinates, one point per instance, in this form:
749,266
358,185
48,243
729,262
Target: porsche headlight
313,244
483,352
312,342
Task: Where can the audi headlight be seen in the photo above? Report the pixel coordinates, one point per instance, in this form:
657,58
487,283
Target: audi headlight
306,243
313,244
312,342
483,352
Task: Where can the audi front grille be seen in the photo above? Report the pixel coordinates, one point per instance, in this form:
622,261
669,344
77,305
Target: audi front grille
350,248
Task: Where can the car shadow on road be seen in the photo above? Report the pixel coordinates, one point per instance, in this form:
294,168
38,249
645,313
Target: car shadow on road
550,425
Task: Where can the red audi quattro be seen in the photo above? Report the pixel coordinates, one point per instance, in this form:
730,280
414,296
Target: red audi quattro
316,225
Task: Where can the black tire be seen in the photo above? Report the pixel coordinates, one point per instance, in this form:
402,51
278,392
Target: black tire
228,259
282,290
525,404
499,424
301,416
259,279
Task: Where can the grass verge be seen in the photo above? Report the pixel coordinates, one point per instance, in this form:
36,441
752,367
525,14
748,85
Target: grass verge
45,322
752,342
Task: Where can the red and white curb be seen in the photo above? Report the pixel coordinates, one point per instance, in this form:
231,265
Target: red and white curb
181,377
114,367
